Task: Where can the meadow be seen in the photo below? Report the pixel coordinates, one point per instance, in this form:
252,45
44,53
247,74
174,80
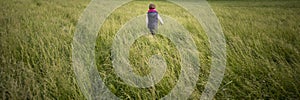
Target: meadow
262,45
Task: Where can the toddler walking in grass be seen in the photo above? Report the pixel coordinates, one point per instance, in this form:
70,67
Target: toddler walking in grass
152,19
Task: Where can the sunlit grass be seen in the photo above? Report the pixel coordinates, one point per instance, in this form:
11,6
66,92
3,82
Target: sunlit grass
262,45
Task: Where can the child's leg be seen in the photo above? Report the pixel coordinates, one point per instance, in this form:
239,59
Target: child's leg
152,31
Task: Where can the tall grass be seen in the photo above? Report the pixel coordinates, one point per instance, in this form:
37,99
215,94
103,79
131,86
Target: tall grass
262,46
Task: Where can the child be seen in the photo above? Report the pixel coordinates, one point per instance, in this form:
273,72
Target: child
152,19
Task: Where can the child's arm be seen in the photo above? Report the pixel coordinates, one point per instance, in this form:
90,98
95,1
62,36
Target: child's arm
160,19
146,19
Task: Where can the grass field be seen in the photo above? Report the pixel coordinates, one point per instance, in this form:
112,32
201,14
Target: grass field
262,37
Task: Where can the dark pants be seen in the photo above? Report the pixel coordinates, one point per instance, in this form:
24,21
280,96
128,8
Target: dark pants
152,30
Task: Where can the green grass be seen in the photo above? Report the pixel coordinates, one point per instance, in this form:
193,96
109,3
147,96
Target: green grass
262,38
